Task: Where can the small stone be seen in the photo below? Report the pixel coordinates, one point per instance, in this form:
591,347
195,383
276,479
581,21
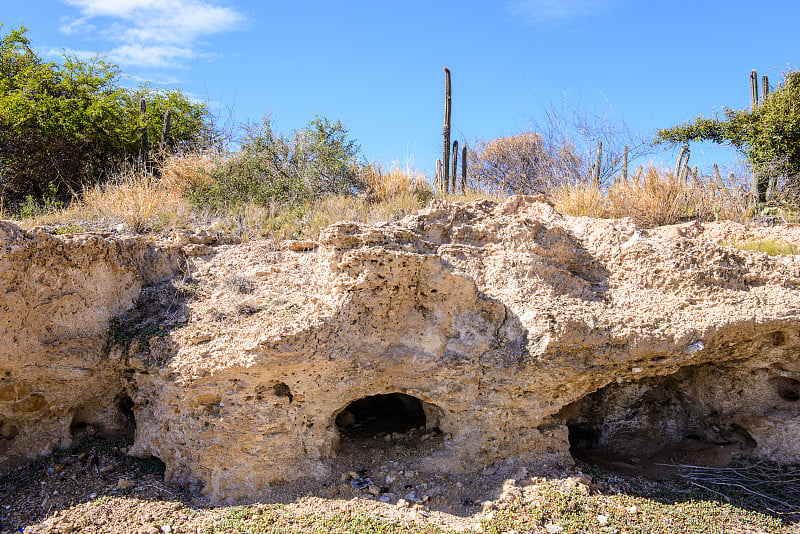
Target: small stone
197,250
487,505
92,495
402,503
166,529
553,528
124,483
375,490
632,509
411,497
424,513
298,245
602,519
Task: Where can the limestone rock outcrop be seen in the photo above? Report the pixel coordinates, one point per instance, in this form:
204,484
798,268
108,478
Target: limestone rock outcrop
58,295
521,333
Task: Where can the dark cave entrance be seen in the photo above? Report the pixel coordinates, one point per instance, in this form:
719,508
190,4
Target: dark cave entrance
381,414
647,425
385,433
114,421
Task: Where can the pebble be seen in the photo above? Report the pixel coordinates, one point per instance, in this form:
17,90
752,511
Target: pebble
124,483
166,529
402,503
553,528
602,519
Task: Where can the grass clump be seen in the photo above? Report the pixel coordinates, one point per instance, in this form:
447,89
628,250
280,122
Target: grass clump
655,199
771,247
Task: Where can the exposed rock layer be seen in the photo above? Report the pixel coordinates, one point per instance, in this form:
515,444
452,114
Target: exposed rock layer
504,320
57,296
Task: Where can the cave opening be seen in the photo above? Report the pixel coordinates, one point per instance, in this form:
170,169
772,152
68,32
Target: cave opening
382,435
382,414
111,422
647,425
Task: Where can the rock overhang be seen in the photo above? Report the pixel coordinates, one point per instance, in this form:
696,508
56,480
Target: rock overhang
497,316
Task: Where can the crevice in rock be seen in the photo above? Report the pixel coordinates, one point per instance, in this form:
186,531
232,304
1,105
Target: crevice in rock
114,420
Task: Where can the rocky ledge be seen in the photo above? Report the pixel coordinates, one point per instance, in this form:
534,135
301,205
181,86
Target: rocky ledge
495,333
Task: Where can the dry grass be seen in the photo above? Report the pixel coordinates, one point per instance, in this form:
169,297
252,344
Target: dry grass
151,204
658,198
386,184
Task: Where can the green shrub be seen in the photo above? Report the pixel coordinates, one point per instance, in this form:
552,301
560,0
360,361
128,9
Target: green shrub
768,136
72,124
271,168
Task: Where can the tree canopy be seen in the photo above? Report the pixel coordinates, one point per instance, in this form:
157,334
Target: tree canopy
768,136
63,125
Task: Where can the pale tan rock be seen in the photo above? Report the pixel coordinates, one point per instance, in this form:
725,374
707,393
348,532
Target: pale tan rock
517,328
58,295
298,245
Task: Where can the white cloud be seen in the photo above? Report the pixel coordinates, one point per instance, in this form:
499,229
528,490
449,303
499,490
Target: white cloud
152,33
545,11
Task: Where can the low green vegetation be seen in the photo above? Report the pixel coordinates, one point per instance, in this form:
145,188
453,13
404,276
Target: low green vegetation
772,247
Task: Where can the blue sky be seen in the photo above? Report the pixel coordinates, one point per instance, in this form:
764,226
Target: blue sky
377,65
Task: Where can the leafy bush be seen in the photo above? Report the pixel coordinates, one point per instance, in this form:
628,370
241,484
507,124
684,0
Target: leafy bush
66,125
313,162
769,136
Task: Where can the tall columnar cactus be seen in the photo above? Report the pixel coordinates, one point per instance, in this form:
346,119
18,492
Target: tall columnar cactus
625,164
721,184
680,163
165,128
446,131
437,180
464,169
454,172
145,151
764,87
596,178
753,89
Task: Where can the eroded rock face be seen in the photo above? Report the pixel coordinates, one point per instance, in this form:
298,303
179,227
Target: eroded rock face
513,325
57,296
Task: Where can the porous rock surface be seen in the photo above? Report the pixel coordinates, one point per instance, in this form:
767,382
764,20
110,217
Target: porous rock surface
57,297
518,329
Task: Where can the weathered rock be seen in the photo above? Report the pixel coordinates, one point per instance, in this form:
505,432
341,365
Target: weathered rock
517,329
58,295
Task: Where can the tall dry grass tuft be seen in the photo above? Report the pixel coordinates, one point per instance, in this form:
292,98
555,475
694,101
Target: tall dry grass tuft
658,198
187,173
385,184
143,202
